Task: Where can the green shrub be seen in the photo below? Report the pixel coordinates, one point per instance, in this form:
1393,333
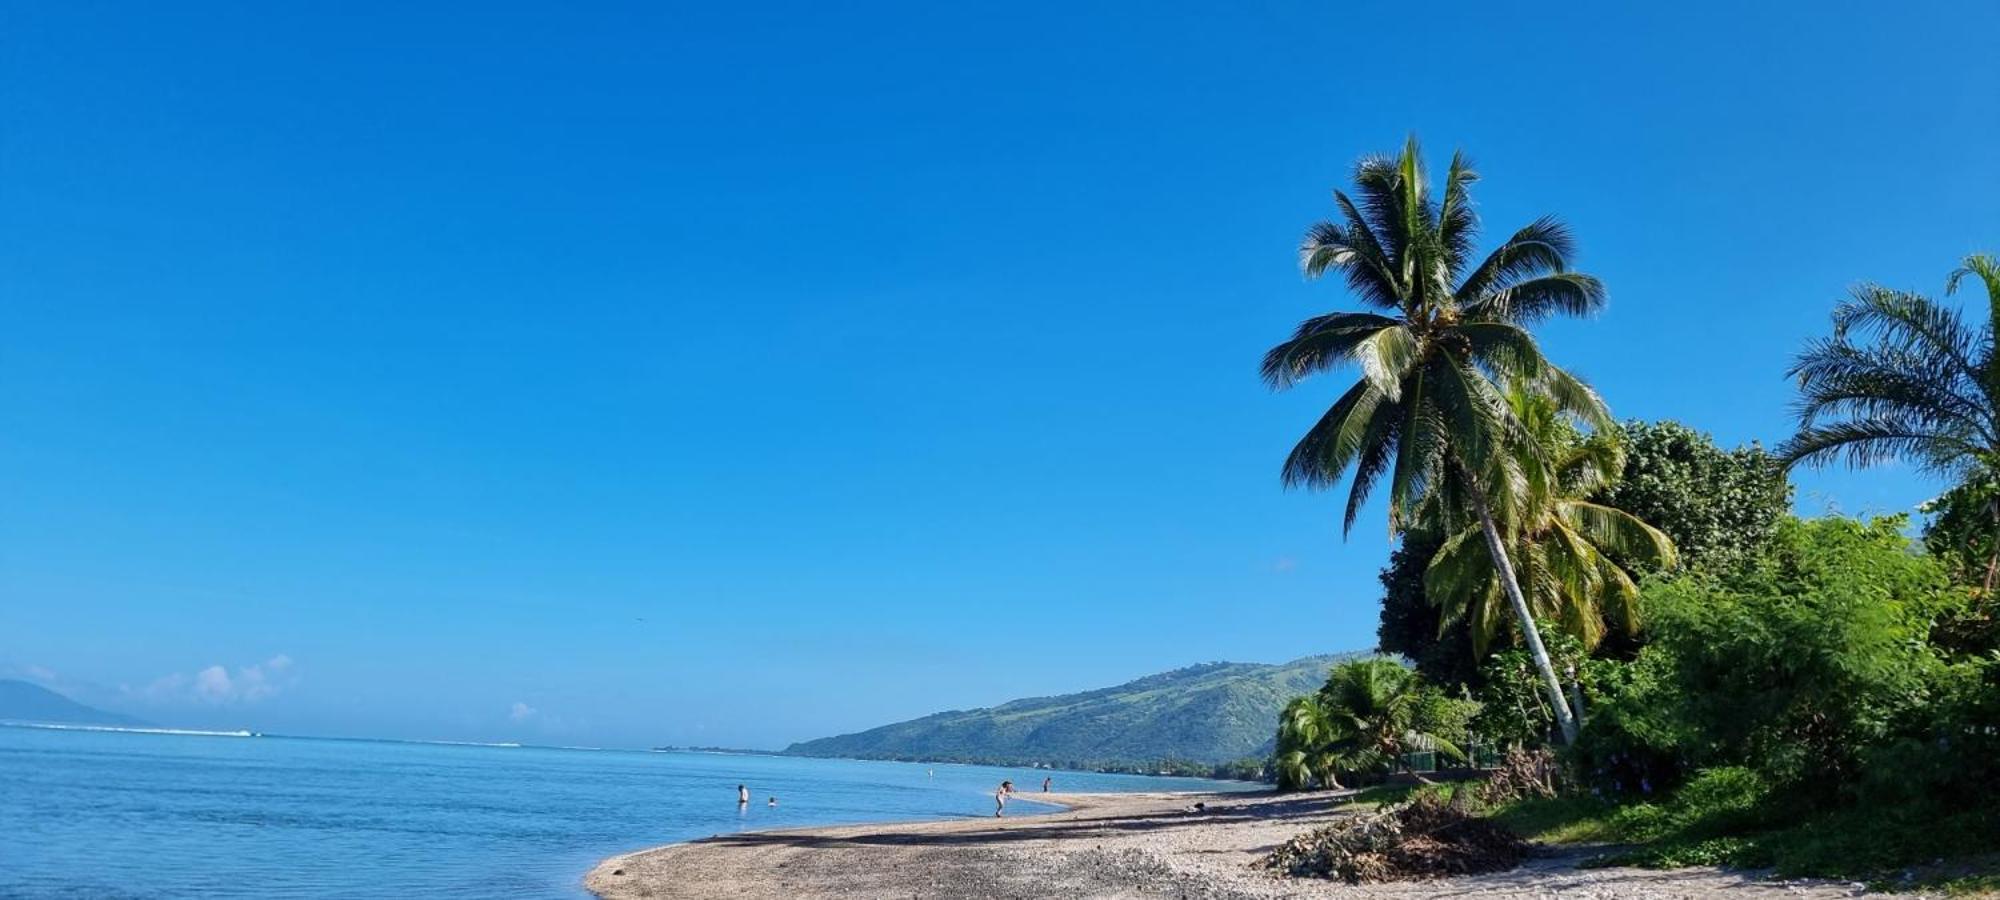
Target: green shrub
1715,802
1796,666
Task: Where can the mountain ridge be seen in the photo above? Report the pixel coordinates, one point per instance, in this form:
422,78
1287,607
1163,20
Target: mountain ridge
25,701
1206,713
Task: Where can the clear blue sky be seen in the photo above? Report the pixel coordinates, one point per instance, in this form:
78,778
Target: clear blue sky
701,375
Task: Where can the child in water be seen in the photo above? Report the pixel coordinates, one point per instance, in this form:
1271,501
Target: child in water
1000,798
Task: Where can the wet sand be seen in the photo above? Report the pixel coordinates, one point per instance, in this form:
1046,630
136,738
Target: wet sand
1106,846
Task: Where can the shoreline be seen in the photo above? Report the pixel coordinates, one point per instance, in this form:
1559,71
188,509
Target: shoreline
1104,846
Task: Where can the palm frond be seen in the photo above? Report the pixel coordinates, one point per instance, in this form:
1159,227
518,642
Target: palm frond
1320,344
1575,397
1544,246
1323,455
1620,532
1425,741
1868,441
1379,443
1353,249
1421,445
1458,224
1504,349
1535,299
1591,465
1910,324
1981,265
1461,568
1837,379
1385,357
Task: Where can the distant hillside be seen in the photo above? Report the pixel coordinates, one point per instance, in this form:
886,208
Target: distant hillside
21,701
1210,713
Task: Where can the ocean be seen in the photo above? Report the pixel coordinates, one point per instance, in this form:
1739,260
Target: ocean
127,814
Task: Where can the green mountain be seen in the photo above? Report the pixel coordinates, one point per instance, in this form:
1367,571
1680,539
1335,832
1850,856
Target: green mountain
22,701
1210,713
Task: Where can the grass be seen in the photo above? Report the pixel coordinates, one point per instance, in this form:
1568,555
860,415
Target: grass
1728,817
1564,820
1383,795
1390,794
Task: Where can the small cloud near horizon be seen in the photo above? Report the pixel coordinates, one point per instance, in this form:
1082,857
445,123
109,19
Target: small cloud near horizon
217,685
521,712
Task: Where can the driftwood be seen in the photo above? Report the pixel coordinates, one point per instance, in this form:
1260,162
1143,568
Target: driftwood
1425,838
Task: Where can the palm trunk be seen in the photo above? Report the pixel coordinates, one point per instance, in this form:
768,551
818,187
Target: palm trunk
1564,720
1993,559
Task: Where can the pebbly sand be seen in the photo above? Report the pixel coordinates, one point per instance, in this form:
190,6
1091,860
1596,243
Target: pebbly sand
1106,846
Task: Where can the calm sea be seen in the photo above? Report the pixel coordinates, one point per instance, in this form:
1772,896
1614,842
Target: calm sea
96,814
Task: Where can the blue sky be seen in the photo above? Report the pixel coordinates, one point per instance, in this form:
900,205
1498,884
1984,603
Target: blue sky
734,376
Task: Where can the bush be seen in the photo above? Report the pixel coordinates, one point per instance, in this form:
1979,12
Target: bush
1796,666
1714,803
1830,707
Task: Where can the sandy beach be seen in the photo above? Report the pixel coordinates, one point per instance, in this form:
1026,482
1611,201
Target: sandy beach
1105,846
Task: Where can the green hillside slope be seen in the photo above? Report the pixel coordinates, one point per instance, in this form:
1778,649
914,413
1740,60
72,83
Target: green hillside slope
1210,713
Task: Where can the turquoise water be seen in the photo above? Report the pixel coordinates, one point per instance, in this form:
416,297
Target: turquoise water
143,815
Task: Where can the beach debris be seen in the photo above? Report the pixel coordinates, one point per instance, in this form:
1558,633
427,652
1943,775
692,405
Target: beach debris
1522,773
1428,837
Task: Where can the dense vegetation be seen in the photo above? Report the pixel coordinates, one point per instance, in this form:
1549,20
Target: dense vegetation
1199,720
1720,681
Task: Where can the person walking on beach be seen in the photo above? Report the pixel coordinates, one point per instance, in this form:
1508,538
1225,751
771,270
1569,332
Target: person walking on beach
1000,798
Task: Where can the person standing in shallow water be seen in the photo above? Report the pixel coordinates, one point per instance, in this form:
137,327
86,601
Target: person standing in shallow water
1046,782
742,795
1000,798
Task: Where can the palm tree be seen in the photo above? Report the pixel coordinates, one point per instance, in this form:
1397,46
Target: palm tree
1307,731
1441,330
1566,550
1364,718
1904,377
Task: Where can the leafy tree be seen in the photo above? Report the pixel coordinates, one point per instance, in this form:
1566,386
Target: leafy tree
1905,377
1512,709
1426,413
1414,628
1718,506
1565,548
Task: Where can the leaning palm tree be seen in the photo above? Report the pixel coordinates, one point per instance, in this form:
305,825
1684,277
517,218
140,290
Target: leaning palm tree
1440,331
1905,377
1568,552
